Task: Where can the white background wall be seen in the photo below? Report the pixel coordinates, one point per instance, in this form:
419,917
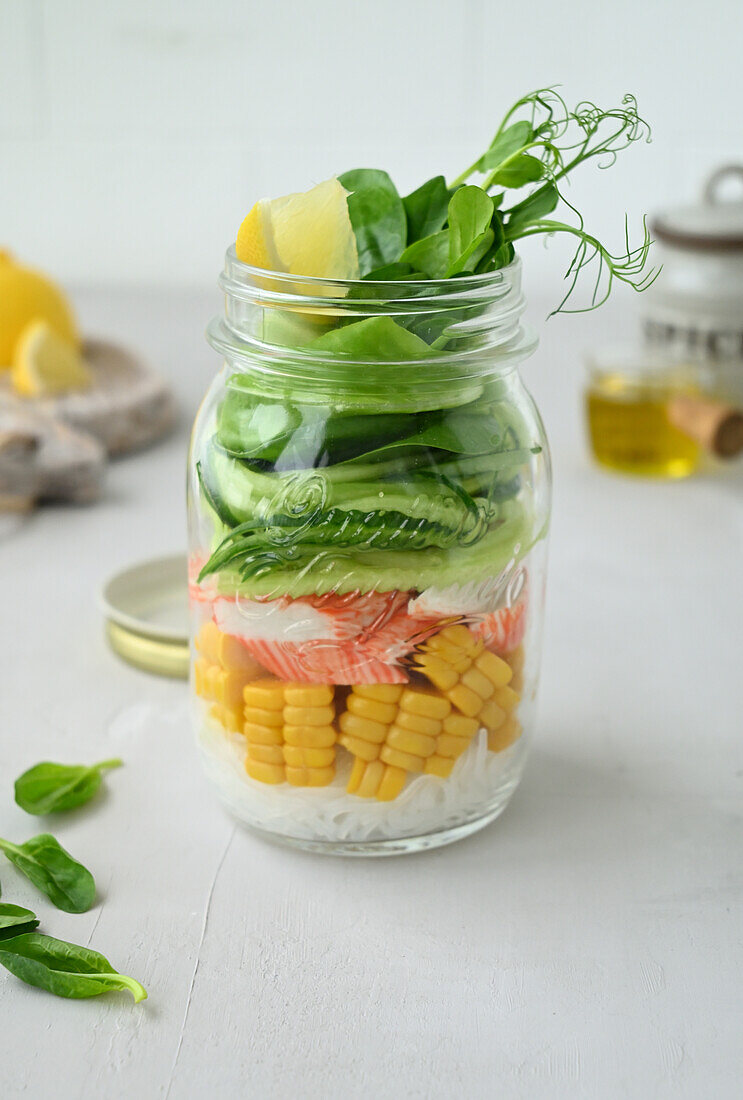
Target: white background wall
135,135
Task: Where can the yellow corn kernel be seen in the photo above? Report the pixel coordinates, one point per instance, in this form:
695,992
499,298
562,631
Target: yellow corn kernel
466,700
516,659
419,744
266,754
478,682
259,717
451,747
229,685
495,668
418,723
460,637
232,719
211,677
385,693
363,728
507,698
400,759
439,765
391,784
439,672
310,737
207,642
425,704
492,716
459,725
366,750
265,773
215,712
357,774
263,735
264,694
370,780
309,716
297,757
232,654
451,655
200,668
371,708
510,731
309,777
308,695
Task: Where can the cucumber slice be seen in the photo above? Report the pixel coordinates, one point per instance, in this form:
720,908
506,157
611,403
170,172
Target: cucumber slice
340,571
238,493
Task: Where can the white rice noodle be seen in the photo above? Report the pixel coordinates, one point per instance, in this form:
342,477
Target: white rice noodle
428,804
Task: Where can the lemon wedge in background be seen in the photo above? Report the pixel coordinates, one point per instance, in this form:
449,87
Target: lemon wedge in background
27,296
45,364
308,233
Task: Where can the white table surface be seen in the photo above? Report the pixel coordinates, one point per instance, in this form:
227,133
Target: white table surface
586,945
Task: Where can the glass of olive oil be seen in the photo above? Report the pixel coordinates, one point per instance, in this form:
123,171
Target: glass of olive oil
627,399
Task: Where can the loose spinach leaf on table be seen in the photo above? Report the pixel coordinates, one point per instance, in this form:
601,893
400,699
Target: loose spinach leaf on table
44,861
50,788
15,920
64,968
377,215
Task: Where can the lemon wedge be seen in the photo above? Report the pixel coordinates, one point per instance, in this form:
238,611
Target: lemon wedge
45,364
26,296
308,233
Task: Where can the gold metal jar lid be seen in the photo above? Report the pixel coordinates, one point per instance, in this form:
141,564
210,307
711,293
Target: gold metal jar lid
146,610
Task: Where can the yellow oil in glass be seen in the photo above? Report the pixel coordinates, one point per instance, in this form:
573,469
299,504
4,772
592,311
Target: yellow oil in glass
630,430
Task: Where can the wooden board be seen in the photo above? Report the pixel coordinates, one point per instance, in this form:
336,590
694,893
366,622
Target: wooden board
56,447
127,407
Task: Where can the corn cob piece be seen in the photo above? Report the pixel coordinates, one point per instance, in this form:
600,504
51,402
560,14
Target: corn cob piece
516,660
221,671
477,683
289,732
392,731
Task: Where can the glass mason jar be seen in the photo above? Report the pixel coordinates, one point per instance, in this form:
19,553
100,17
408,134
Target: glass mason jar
369,495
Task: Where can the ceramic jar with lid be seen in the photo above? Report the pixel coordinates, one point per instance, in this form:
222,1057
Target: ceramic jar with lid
695,307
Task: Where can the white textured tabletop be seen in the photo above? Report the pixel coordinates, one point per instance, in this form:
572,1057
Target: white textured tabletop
588,944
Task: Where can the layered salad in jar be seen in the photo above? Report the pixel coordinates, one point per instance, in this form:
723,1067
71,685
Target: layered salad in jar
369,492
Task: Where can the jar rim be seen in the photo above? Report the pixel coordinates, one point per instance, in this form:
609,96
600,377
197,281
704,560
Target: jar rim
265,283
481,317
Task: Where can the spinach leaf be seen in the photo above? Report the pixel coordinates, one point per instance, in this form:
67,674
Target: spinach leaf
497,258
375,338
385,274
15,920
426,208
377,217
519,171
470,235
64,968
429,255
50,788
44,861
457,431
505,144
531,209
